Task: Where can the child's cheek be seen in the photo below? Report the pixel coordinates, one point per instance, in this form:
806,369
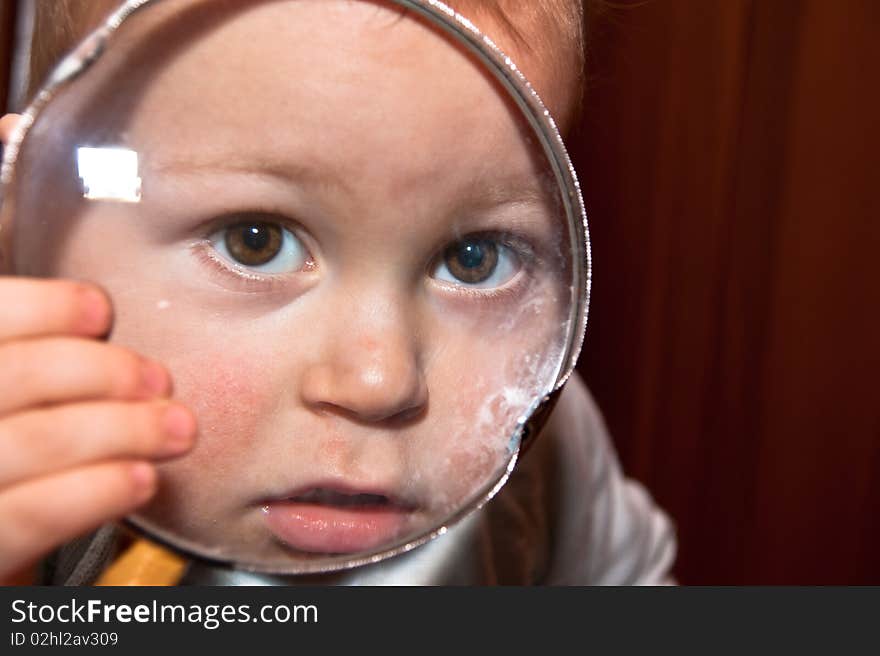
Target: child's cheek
232,400
230,396
483,421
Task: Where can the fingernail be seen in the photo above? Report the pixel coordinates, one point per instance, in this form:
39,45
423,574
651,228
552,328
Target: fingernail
143,475
155,379
180,427
95,311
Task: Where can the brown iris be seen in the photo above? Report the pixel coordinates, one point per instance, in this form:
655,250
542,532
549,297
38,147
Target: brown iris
471,260
255,243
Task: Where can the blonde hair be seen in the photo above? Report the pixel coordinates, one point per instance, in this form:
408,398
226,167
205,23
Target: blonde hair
551,31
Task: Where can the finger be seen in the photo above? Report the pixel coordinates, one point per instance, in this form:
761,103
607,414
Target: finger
40,442
56,370
34,307
7,125
39,515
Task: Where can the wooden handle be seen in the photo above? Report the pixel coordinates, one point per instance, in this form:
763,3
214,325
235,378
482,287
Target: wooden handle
144,563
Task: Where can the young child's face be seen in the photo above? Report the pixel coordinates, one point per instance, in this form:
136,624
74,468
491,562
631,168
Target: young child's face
347,254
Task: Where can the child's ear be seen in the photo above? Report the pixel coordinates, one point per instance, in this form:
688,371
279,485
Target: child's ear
7,125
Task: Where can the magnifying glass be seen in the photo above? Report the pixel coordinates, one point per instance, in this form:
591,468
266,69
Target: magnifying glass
351,232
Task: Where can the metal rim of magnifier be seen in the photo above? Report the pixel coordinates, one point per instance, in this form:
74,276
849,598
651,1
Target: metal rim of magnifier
464,32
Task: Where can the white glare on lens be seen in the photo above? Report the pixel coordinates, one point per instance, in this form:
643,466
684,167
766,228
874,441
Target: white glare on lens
109,174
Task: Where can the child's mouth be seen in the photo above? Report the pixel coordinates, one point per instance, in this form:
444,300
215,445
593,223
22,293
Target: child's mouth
328,520
325,497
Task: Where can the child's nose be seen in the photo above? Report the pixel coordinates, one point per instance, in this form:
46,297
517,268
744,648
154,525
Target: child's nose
370,372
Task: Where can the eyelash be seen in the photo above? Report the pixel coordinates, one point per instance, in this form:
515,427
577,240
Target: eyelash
250,281
241,278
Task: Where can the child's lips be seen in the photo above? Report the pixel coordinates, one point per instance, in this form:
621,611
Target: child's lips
336,520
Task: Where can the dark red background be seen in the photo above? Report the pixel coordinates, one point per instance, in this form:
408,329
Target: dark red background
730,156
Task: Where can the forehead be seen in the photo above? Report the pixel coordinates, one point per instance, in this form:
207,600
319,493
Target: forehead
348,83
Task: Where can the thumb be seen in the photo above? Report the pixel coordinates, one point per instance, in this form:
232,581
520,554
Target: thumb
7,125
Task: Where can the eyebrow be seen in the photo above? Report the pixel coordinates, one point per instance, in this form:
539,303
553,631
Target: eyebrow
515,190
284,171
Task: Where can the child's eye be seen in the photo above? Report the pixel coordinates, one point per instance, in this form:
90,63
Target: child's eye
477,262
260,246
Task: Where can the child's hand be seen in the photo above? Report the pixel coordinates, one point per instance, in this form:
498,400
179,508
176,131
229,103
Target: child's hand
80,419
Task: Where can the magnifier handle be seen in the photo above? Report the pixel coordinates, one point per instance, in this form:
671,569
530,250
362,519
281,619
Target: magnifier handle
144,563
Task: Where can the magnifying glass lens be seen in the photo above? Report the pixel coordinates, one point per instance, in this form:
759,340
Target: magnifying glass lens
340,233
